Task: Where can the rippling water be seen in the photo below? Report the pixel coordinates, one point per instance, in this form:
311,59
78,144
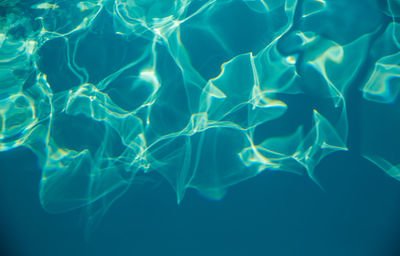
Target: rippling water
110,101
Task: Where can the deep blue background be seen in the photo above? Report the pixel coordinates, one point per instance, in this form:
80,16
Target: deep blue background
273,214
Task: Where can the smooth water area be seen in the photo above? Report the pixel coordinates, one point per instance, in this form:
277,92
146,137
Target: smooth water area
203,127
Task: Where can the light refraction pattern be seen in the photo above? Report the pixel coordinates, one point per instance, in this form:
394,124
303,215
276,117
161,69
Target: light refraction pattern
207,93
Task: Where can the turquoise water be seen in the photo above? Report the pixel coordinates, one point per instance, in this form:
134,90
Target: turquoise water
204,127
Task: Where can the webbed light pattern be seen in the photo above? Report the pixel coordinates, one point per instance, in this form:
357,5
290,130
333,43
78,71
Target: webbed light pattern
103,91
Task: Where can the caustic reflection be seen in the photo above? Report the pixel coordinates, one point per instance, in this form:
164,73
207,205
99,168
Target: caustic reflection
104,92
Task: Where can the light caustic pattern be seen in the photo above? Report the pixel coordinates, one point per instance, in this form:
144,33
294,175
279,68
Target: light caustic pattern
207,93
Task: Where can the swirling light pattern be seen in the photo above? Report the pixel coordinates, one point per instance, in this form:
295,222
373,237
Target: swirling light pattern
104,92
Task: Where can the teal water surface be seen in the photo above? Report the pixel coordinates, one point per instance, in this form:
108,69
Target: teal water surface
203,127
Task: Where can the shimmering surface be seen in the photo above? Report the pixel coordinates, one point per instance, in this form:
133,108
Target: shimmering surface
205,94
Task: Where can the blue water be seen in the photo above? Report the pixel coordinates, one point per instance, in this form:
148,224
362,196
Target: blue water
227,127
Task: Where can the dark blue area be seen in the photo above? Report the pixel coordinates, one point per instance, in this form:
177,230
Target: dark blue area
275,213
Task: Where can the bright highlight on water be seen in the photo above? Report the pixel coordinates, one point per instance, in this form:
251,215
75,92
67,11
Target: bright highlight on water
106,93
